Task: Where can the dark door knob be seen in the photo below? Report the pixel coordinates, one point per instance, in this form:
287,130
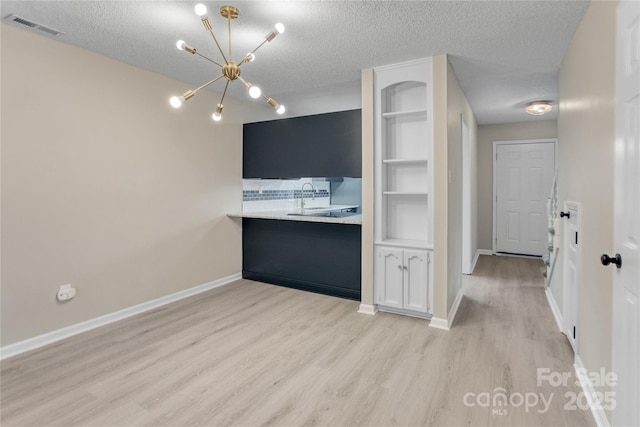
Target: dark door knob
606,260
565,214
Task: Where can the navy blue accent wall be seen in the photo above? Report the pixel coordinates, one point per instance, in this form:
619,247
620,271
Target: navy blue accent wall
310,146
312,256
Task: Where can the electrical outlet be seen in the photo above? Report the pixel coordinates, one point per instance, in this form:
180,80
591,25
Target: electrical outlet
65,293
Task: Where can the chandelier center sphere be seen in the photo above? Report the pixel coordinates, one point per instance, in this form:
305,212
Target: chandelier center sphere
231,70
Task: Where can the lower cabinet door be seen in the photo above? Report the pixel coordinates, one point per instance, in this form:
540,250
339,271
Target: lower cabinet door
416,280
388,277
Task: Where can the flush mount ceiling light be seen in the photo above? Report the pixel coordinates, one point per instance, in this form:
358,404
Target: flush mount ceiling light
230,69
538,108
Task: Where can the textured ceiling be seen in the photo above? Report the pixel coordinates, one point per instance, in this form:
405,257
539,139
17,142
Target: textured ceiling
505,53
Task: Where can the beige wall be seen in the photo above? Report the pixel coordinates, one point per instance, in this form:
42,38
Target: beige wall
440,188
449,104
542,129
106,187
457,107
586,136
368,190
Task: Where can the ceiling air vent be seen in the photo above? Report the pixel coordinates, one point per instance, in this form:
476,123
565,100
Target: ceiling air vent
33,25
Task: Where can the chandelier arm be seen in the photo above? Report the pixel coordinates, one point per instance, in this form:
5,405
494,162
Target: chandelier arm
219,48
278,107
270,101
208,59
207,26
224,92
208,83
246,58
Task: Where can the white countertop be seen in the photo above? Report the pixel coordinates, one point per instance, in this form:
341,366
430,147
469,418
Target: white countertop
284,215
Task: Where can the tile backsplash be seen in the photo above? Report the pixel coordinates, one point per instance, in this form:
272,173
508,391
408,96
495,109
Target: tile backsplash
253,195
275,194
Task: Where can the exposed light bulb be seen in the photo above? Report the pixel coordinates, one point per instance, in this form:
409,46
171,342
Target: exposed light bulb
176,101
280,109
251,57
255,92
181,44
217,116
279,28
201,10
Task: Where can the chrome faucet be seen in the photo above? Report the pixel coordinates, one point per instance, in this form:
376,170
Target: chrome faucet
313,193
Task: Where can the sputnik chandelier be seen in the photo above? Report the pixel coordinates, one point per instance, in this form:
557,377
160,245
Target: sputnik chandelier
230,70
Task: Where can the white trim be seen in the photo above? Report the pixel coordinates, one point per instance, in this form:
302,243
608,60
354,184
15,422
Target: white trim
467,227
69,331
554,308
420,61
403,312
368,309
455,307
587,388
494,203
477,256
518,255
439,323
445,324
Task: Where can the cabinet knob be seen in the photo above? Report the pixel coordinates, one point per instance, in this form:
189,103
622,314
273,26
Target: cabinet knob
565,214
616,260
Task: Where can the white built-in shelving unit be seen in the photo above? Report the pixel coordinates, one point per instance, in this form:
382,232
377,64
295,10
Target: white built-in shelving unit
403,108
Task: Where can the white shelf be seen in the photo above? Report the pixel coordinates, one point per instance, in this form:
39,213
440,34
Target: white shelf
404,161
405,193
403,108
404,151
405,243
393,114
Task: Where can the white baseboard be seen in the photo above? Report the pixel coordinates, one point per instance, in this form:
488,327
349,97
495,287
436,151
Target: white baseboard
69,331
597,411
439,323
554,308
367,309
445,324
454,308
477,255
518,255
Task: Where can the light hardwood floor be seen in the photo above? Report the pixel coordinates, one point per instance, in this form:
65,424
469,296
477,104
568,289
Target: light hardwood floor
255,354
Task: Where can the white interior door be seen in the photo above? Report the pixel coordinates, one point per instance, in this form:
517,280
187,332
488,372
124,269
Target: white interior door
523,174
571,278
626,314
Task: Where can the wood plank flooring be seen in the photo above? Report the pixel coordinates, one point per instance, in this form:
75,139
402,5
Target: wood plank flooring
254,354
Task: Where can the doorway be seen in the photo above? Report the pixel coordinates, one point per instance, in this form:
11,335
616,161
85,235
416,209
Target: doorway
522,178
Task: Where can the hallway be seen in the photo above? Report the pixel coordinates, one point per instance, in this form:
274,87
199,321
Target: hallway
505,316
255,354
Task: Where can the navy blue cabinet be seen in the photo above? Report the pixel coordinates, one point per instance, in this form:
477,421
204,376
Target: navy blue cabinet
312,256
312,146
